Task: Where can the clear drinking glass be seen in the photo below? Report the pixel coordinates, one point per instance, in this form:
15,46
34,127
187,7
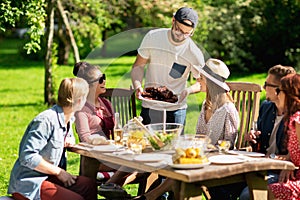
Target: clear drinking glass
118,131
255,146
223,146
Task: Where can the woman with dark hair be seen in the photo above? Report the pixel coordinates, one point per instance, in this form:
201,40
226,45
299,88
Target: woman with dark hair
288,92
97,118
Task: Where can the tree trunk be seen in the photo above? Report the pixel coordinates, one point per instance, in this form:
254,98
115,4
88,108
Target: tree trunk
104,46
64,45
48,90
69,31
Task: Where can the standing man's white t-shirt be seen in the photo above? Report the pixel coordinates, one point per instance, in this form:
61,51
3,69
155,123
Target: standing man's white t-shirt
169,64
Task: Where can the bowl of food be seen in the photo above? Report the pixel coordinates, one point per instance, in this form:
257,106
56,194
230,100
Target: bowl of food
162,135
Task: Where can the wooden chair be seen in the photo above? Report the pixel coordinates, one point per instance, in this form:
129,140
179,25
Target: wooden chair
123,102
247,101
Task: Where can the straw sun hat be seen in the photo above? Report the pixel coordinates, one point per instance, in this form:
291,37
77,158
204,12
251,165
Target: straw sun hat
216,71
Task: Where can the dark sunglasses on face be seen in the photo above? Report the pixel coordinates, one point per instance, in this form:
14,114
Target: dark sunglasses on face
270,85
100,80
278,90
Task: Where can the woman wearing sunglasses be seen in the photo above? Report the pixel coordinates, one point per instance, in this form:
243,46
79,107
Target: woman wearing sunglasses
97,110
288,186
97,117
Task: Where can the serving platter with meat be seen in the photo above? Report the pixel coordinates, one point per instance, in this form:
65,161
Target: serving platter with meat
161,93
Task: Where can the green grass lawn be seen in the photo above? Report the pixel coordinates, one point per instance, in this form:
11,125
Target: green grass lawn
22,96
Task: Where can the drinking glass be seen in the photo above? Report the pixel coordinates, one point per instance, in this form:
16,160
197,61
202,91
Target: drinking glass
136,148
223,146
135,135
118,137
255,146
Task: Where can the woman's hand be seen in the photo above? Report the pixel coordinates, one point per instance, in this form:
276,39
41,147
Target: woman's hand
67,179
286,175
69,141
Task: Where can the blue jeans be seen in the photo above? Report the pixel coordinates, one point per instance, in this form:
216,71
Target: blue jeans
272,178
151,116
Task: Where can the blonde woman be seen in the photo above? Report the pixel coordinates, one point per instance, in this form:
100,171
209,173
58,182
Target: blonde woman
36,174
218,114
218,117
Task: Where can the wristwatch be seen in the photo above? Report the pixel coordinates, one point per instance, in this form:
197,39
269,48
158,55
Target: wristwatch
272,156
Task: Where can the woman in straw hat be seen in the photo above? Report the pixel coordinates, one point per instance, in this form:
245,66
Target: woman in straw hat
219,118
218,114
218,106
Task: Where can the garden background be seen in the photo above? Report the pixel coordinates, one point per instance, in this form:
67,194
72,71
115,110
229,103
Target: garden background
249,36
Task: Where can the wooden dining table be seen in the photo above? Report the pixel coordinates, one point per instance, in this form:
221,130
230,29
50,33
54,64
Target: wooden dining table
253,170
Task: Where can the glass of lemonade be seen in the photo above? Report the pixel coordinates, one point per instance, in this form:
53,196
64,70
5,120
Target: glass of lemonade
136,138
118,131
118,136
223,146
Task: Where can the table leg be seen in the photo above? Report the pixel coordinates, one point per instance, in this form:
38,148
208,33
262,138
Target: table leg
192,191
182,190
258,185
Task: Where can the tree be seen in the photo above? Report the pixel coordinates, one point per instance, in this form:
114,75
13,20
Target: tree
40,16
272,30
253,35
39,13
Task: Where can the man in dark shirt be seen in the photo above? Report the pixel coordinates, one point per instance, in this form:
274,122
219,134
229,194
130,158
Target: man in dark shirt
269,136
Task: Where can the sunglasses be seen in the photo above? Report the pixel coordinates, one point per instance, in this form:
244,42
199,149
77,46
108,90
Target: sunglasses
278,91
100,80
181,32
270,85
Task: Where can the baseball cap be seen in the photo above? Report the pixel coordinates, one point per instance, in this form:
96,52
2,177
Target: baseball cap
185,13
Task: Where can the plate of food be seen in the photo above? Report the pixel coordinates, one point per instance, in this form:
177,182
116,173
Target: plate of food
226,159
96,139
246,153
211,148
156,101
159,95
189,158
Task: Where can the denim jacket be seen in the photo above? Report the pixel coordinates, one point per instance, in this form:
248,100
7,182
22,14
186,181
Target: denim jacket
265,123
43,138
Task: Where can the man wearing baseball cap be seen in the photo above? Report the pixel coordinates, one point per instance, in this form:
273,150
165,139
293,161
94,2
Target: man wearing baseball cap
188,14
169,55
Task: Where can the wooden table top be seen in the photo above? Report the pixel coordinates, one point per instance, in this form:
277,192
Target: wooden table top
208,172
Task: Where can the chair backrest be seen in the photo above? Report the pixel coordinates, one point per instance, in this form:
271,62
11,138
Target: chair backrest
247,101
123,102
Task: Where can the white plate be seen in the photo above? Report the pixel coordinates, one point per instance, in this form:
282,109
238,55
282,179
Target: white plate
151,157
226,159
189,166
105,148
157,101
247,153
